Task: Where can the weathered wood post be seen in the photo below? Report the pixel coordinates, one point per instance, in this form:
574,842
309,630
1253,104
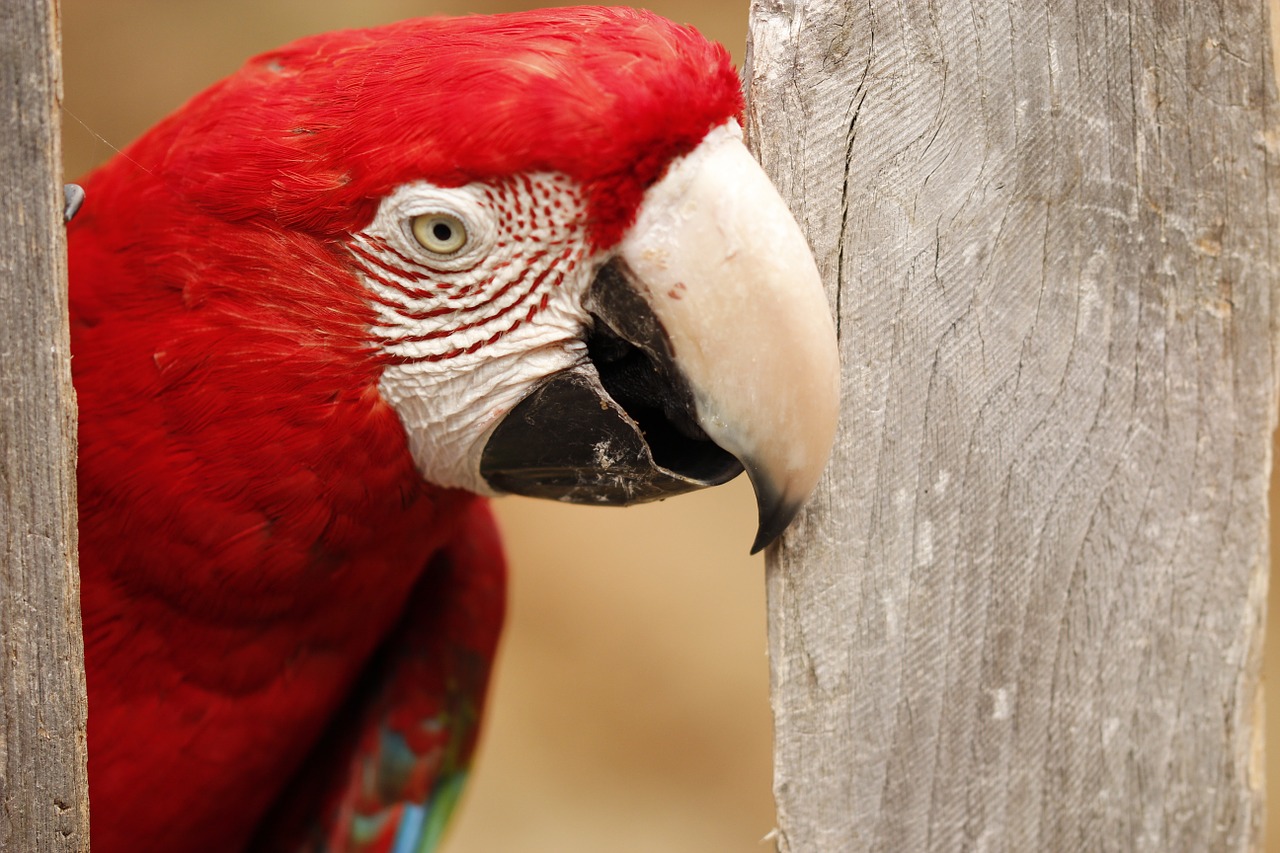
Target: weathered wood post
44,804
1024,611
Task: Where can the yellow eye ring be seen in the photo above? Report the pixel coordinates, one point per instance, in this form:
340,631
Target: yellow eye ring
440,233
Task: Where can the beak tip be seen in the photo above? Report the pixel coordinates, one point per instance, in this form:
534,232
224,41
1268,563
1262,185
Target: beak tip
776,514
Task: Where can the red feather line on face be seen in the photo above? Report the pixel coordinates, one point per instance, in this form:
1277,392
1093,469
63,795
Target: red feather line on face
509,280
605,96
549,277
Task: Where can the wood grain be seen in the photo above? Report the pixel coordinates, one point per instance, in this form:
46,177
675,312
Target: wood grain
44,804
1024,610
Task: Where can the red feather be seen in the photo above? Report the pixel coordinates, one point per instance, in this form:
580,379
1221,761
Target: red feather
313,134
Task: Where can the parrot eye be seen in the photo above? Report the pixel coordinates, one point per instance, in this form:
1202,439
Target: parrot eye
440,233
441,229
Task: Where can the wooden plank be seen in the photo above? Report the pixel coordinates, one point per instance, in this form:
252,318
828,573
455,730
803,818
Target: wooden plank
43,785
1024,611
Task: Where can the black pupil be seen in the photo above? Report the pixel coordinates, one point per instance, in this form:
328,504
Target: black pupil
442,232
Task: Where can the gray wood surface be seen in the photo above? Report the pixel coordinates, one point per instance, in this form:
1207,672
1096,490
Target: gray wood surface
1024,610
44,805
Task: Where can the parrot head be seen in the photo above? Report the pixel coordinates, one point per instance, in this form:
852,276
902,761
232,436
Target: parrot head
572,277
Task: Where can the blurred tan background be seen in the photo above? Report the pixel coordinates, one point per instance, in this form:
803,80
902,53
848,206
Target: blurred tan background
630,710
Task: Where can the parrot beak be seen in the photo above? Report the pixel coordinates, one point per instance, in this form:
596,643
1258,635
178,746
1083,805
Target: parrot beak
712,350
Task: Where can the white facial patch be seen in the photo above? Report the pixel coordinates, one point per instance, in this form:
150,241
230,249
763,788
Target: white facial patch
468,331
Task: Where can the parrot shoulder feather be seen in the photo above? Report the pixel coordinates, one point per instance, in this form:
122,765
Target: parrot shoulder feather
386,776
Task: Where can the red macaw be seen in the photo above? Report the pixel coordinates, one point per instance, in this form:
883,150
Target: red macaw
325,309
